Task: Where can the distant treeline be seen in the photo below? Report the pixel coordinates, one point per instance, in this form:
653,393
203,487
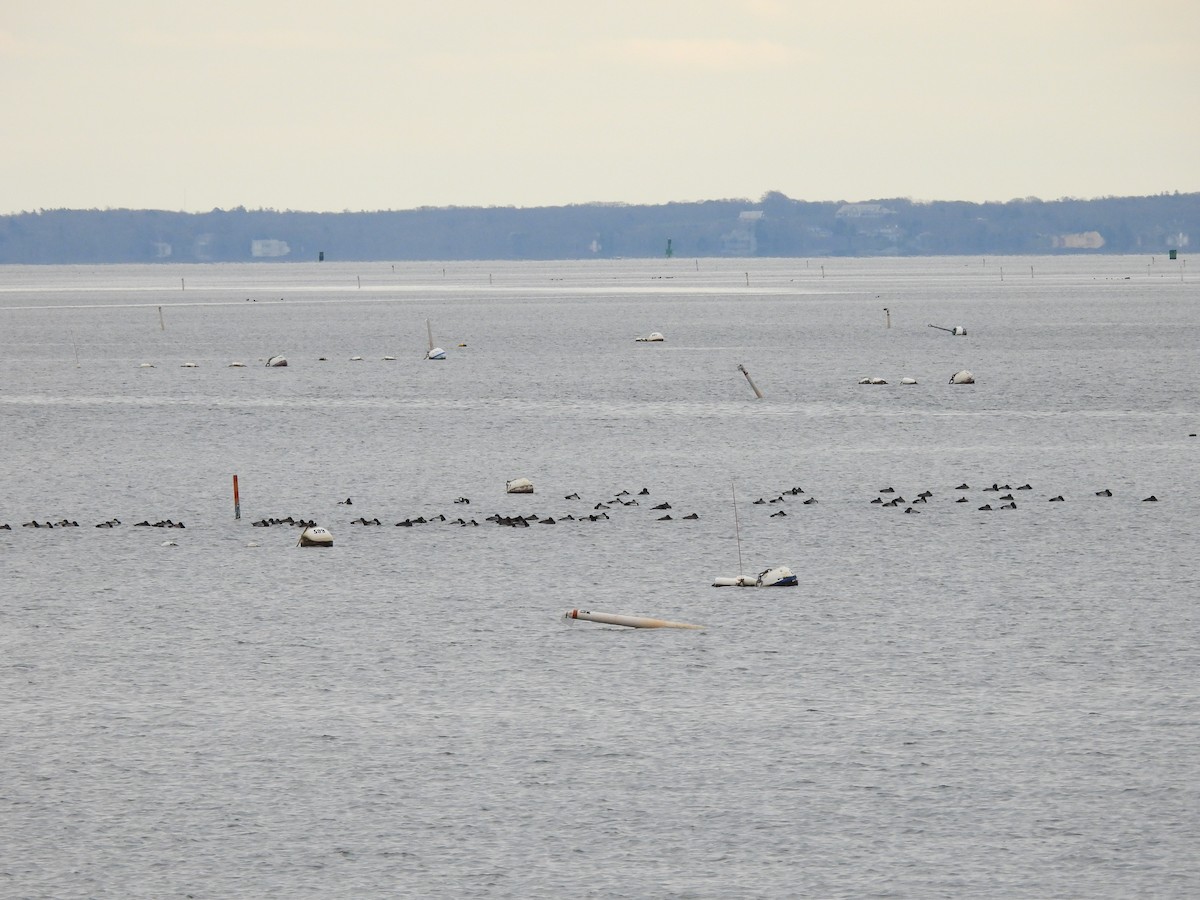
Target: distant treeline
775,225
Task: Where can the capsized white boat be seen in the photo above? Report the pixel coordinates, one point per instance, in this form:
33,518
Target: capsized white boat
778,576
518,486
315,536
434,352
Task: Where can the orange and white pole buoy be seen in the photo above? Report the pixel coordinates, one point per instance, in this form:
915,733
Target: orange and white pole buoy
627,621
237,503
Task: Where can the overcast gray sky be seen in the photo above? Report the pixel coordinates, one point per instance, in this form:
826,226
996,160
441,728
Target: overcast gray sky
365,104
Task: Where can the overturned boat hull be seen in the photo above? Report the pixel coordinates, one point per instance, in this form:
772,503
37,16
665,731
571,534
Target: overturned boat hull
779,576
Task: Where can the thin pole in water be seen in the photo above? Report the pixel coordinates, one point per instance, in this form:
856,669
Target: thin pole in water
737,528
887,317
757,392
162,326
237,503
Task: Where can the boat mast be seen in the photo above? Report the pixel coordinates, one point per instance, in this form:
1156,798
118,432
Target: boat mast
737,527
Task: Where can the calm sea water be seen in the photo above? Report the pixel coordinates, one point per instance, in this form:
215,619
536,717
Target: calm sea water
953,703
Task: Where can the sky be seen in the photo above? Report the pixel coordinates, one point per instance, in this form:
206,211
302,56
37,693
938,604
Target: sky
367,105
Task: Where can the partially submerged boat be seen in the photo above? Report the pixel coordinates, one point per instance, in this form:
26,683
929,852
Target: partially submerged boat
778,576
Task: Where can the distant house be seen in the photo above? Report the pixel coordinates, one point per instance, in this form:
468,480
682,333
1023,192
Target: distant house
869,219
863,211
1085,240
743,239
268,248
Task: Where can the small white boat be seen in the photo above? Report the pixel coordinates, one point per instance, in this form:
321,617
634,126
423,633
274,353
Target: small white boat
518,486
652,337
778,576
434,352
277,362
315,536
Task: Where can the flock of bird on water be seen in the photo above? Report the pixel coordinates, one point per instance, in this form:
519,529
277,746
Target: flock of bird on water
888,497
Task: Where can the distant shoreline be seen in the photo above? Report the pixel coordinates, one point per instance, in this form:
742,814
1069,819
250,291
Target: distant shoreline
773,226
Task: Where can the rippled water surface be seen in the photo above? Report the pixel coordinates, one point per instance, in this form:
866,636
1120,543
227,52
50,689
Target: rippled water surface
954,702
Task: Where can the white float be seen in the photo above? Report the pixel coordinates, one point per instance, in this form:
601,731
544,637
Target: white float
627,621
962,377
908,381
277,362
652,337
315,536
518,486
